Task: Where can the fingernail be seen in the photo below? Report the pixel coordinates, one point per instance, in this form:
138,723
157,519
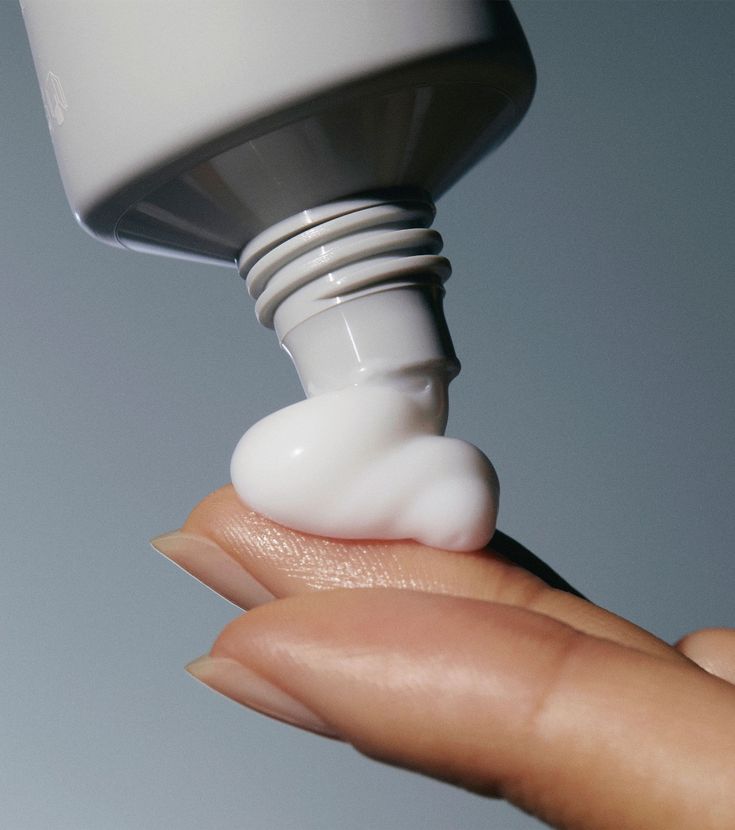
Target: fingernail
234,680
207,562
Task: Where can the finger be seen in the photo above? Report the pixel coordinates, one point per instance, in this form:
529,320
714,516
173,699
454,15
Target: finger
276,560
713,649
577,730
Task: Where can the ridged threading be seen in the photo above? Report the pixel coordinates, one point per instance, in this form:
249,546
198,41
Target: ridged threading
334,253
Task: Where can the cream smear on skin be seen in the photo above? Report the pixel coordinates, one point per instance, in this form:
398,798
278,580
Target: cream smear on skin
369,462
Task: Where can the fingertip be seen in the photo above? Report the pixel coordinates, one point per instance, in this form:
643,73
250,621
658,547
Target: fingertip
712,649
214,513
208,563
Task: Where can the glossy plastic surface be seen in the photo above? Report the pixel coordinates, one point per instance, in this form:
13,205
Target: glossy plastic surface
188,128
304,142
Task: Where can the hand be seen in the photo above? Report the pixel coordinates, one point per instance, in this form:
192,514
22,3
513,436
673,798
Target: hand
469,668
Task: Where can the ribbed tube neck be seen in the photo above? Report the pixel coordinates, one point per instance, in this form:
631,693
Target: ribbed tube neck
354,290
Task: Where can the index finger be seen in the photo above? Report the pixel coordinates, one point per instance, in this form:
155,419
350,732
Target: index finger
248,559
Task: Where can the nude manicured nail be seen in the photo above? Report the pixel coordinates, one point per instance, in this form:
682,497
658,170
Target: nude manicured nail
234,680
207,562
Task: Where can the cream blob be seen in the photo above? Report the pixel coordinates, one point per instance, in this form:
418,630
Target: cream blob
368,461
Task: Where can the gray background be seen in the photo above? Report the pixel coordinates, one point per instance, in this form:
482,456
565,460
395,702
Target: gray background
592,309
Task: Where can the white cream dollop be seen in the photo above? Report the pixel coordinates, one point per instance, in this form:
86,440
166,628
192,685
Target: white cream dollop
368,461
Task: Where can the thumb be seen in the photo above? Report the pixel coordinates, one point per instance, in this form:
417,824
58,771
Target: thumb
580,731
713,649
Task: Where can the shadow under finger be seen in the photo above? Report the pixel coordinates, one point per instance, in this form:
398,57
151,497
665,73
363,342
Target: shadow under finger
519,555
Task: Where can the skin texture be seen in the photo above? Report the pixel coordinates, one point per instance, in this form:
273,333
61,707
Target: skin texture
468,668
